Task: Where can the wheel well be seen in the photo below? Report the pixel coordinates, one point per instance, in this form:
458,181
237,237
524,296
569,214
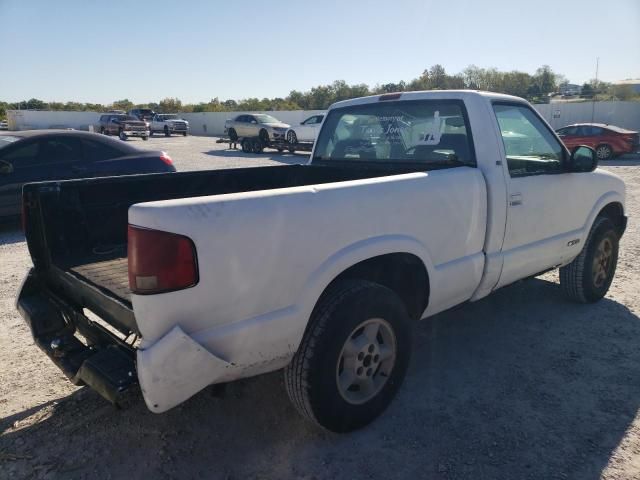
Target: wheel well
404,273
615,212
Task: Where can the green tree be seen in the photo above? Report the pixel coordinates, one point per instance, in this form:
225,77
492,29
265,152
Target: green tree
125,105
170,105
587,90
545,79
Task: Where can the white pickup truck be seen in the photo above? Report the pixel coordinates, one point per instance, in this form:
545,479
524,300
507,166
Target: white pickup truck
411,203
168,123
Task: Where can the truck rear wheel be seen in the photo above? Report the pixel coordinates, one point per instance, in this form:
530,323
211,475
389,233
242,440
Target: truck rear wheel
353,356
167,133
587,279
257,146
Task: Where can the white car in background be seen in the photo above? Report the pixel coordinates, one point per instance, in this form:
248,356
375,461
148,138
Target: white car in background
307,131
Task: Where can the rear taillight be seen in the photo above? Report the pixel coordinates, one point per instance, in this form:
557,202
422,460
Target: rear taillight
160,261
164,156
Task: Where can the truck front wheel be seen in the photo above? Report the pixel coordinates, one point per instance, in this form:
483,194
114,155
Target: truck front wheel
353,356
167,133
588,278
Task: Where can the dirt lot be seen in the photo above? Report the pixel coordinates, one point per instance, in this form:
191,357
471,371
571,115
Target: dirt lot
521,385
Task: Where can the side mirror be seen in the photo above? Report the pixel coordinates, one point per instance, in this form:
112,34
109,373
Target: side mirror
5,168
583,159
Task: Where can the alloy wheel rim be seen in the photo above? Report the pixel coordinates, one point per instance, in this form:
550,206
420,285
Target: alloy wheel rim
603,152
602,262
366,361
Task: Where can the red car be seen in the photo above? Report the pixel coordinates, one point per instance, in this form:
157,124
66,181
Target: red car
607,140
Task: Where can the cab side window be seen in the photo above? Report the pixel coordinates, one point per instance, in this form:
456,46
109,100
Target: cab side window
530,147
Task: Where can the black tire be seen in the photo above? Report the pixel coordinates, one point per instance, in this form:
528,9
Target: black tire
264,137
184,134
257,146
311,379
102,131
233,136
122,135
581,280
280,150
167,133
145,138
604,152
292,138
292,150
246,145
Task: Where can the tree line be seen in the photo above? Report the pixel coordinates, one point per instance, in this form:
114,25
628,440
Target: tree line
534,87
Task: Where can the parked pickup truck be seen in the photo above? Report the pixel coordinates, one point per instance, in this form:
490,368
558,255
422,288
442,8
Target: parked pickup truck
411,203
168,123
124,126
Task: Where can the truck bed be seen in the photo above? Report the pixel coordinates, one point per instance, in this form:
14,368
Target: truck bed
77,230
110,275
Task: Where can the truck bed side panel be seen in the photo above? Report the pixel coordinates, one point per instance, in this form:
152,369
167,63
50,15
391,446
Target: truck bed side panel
262,252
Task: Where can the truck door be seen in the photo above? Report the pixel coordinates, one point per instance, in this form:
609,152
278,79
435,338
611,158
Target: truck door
544,208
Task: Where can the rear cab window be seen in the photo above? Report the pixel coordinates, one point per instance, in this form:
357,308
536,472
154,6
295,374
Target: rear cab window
429,133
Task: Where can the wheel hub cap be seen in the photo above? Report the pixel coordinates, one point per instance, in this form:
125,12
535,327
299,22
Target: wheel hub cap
366,361
602,262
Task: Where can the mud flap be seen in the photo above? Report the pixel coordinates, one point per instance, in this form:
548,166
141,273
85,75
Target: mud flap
175,368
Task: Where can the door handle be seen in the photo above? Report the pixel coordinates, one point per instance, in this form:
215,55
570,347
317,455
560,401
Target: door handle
515,199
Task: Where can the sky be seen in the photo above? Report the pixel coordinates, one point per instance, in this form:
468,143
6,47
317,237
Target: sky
99,52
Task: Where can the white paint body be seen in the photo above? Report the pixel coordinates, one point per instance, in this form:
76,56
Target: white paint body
265,257
308,129
159,122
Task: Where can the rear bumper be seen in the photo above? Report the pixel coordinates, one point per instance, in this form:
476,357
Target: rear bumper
170,369
102,361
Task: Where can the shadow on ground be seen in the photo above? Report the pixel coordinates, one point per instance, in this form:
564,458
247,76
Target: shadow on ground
284,157
10,232
520,385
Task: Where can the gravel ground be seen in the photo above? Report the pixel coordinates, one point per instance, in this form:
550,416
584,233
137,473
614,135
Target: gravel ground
521,385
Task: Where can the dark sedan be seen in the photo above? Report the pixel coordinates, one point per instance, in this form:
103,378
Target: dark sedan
38,155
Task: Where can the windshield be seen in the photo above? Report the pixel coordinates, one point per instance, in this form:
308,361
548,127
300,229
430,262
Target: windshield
169,117
266,119
6,140
423,131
